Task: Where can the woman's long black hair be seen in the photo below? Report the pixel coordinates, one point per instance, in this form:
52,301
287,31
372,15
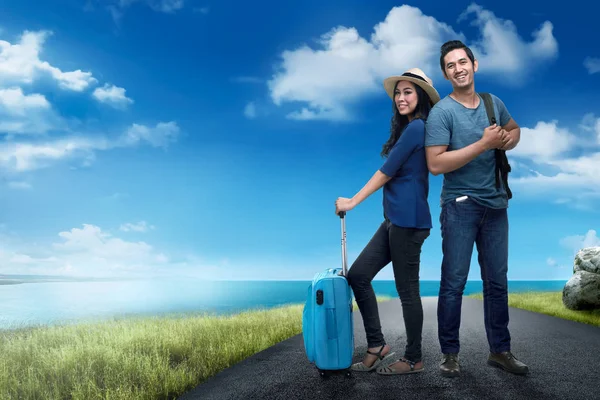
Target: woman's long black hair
399,122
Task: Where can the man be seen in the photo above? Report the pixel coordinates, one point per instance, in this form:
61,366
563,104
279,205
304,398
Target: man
460,143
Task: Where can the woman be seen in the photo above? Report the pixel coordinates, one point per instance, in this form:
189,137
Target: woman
407,223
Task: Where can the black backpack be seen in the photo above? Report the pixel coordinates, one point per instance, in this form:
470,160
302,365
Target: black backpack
502,165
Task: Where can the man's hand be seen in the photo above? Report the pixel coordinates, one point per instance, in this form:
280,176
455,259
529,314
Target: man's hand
513,133
494,137
509,141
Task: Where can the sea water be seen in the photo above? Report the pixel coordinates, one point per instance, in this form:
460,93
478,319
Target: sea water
43,303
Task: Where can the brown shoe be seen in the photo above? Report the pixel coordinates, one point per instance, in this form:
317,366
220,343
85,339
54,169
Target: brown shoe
450,366
508,362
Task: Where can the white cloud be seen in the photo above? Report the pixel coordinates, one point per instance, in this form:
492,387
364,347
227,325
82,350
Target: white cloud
89,251
117,8
578,242
591,124
555,163
545,141
501,51
91,241
348,66
166,6
592,64
577,179
20,64
250,110
22,110
86,251
522,168
159,136
14,102
112,95
22,113
345,67
141,226
585,166
20,157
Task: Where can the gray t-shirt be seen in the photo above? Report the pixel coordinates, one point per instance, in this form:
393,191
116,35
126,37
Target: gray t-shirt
451,123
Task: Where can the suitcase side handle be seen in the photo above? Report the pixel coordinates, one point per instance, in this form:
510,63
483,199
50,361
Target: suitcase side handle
342,215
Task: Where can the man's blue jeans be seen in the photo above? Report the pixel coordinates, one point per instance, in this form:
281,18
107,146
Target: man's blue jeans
465,224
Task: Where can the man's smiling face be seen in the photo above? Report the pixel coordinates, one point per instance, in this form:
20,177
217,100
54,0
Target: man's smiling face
459,69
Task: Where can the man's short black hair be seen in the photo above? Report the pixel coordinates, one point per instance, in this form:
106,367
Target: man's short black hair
453,45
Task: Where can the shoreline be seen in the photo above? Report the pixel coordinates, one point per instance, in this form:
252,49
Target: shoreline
182,301
10,282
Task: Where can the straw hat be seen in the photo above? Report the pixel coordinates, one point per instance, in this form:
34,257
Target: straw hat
416,76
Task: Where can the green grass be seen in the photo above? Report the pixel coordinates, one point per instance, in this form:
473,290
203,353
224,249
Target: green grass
135,358
549,303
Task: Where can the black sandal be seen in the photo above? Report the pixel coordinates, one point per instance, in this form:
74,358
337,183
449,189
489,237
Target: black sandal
388,370
361,367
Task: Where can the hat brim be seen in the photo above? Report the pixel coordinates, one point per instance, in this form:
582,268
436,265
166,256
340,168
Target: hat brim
389,85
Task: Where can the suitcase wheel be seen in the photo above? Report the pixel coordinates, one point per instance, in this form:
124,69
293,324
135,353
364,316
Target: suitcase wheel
325,374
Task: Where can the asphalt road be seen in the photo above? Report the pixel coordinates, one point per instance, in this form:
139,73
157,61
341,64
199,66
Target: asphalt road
563,359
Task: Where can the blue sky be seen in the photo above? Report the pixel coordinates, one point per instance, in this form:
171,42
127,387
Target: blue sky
192,138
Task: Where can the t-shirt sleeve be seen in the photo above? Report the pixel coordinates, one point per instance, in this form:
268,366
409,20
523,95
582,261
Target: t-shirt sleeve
502,111
410,139
437,128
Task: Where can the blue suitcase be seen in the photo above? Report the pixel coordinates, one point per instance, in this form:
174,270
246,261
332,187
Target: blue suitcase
327,320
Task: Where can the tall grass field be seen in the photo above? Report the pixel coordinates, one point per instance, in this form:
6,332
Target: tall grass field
136,358
149,358
549,303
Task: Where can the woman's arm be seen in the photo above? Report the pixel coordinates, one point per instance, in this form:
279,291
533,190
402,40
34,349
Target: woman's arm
374,184
402,150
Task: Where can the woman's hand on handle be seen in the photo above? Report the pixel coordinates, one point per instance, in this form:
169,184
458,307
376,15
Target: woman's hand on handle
343,204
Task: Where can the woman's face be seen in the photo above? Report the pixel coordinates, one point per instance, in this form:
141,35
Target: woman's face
405,97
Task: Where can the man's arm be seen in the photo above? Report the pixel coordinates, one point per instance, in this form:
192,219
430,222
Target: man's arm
440,161
514,134
508,124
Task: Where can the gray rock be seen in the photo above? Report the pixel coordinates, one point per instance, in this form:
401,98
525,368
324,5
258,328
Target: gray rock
582,291
588,259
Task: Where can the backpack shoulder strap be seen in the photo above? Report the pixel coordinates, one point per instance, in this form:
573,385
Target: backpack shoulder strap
502,165
489,107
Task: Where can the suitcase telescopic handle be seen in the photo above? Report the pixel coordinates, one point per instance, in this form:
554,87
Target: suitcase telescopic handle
342,215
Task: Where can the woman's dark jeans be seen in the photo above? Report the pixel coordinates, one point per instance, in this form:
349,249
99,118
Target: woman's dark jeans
401,246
